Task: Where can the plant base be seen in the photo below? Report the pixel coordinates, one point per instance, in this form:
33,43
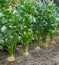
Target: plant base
20,46
17,49
26,53
11,59
52,42
37,48
45,45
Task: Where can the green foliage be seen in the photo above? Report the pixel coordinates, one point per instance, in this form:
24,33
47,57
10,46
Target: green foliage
57,11
4,3
8,34
26,19
56,2
25,14
45,17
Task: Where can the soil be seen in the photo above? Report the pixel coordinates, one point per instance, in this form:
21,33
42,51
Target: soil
43,56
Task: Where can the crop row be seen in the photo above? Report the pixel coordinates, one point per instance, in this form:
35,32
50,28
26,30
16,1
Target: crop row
24,21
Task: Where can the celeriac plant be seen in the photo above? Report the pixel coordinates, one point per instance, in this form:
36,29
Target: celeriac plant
49,15
37,24
39,27
45,20
8,24
25,18
52,23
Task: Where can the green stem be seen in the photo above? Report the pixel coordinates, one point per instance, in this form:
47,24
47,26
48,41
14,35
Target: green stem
37,42
12,55
37,37
10,50
44,40
25,46
51,38
45,44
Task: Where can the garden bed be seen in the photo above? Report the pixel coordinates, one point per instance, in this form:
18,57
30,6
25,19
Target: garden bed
43,56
